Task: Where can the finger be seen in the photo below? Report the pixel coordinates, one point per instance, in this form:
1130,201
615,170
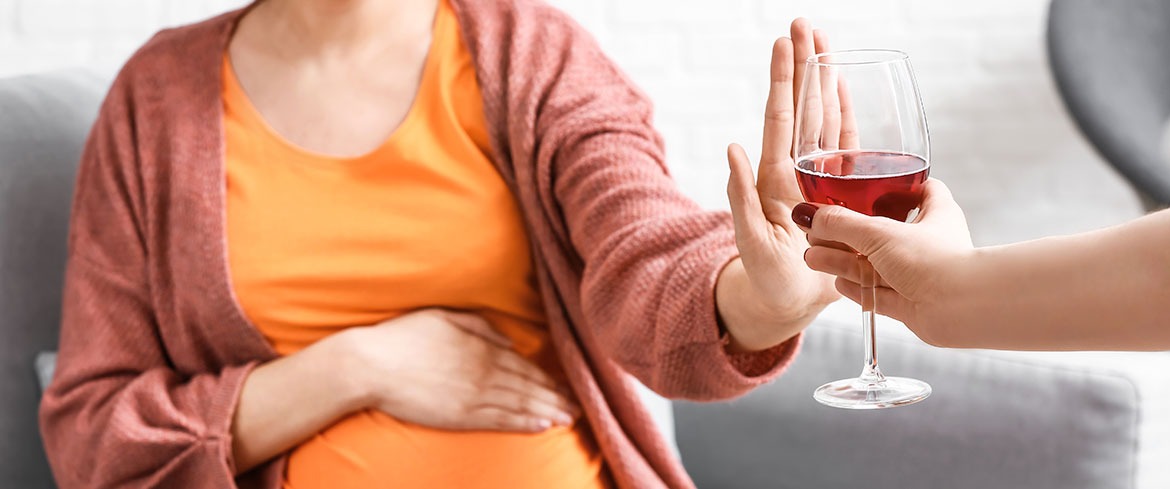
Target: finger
478,326
863,233
802,47
527,403
778,111
830,105
741,193
549,398
499,419
889,302
806,88
777,186
833,262
842,263
510,361
937,201
828,244
850,138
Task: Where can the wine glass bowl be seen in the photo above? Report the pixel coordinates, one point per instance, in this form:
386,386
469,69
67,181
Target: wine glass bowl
861,142
870,182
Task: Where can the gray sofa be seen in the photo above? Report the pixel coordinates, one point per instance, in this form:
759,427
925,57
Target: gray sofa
996,420
43,122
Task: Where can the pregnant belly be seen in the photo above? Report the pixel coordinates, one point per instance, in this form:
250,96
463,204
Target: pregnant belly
373,450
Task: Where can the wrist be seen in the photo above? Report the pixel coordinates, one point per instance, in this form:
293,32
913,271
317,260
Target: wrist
751,324
958,290
341,357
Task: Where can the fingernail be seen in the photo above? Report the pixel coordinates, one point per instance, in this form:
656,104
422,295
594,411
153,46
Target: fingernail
564,419
543,424
803,213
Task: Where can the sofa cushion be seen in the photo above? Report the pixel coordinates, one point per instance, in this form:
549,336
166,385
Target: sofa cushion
46,363
1073,420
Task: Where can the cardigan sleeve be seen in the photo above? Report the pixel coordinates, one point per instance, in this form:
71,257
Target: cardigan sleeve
651,255
117,414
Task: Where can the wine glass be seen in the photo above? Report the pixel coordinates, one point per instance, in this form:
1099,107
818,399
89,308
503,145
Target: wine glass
862,142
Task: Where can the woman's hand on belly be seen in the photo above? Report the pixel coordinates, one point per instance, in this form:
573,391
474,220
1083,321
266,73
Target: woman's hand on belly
450,370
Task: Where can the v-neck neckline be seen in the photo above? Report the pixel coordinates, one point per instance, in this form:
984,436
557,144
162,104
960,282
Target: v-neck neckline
239,97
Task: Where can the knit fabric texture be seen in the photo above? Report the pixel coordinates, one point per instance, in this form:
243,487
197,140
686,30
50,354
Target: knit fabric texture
154,347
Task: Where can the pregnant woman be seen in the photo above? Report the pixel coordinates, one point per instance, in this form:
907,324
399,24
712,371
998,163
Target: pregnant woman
405,244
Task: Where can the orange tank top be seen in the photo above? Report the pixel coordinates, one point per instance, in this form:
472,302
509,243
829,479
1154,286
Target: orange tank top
318,244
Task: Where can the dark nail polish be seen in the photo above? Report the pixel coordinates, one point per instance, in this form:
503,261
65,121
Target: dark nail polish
803,213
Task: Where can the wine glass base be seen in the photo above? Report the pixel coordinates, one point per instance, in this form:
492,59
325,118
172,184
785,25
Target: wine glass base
858,394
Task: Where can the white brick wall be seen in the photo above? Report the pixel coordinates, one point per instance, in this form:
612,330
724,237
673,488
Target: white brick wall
1000,136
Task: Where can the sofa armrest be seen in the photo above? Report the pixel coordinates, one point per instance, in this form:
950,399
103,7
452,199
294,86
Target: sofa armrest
995,420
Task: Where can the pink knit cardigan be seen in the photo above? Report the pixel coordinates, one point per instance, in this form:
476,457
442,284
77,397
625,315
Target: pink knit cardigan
154,347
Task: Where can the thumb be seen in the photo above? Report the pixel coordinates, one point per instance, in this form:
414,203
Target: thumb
863,233
937,201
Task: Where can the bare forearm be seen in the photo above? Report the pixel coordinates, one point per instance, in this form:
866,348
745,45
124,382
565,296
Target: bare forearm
287,400
751,326
1104,290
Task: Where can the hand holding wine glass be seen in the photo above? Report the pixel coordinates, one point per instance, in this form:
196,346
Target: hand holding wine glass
912,261
880,170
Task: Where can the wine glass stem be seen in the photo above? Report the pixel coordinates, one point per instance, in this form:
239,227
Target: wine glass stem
870,373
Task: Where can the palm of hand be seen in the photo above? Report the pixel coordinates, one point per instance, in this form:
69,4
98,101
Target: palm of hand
770,244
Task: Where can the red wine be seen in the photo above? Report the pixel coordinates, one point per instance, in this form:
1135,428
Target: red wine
869,182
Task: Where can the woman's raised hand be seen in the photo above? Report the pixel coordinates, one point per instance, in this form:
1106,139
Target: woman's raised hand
450,370
770,244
